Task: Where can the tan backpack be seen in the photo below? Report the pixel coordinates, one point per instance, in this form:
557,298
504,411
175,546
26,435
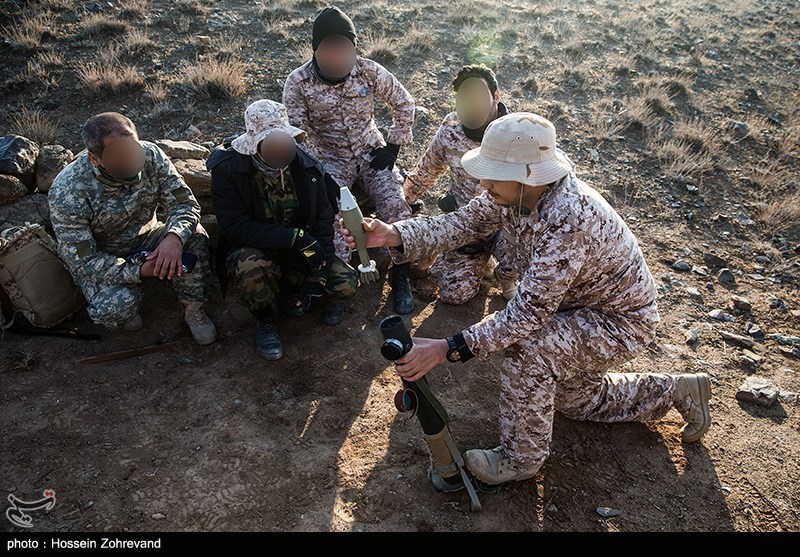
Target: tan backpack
34,278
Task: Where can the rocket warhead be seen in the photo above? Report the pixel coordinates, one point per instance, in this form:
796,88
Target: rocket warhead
346,200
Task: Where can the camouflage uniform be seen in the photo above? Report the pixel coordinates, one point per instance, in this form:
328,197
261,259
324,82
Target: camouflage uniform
586,301
458,274
256,277
340,123
98,223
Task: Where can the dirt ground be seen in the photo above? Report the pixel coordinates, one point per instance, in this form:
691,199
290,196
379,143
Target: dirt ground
684,114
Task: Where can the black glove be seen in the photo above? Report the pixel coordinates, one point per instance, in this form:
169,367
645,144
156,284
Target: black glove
384,157
310,249
311,292
447,203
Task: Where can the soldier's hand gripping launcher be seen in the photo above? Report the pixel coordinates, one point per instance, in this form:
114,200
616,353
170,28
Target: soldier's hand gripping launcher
448,472
351,214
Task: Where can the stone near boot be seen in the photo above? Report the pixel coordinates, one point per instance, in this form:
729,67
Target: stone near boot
52,159
18,158
701,270
682,265
195,175
740,303
738,339
608,512
11,189
694,293
785,339
754,330
790,352
720,315
158,516
751,357
714,260
691,336
726,277
738,128
182,149
758,391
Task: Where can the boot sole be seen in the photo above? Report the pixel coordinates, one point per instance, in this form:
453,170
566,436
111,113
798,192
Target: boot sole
704,390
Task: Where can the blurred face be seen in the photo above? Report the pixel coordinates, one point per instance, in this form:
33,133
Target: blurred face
122,158
336,56
503,192
278,149
475,103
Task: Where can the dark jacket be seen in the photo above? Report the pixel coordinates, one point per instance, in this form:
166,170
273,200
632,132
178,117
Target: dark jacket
239,206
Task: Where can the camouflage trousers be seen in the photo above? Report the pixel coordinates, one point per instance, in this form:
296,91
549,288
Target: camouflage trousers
564,366
459,275
383,187
113,305
257,277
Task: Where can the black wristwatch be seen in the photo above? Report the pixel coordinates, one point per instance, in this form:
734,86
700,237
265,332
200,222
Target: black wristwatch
457,349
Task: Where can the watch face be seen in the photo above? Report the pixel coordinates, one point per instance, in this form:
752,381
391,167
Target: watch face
453,355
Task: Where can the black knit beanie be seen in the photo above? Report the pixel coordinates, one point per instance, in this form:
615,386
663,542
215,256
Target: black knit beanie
332,21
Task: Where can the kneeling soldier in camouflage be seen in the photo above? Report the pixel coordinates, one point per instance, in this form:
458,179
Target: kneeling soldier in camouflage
586,301
274,205
103,209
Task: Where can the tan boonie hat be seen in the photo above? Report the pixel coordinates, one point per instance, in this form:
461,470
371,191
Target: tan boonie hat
261,119
520,147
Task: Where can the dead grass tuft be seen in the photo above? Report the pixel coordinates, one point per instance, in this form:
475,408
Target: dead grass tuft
102,25
34,124
28,32
107,75
380,48
217,79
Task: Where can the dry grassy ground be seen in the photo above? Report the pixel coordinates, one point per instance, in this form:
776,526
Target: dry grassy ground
684,114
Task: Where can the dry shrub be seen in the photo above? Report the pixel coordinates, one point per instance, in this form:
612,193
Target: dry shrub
34,124
218,79
102,25
379,48
107,75
27,33
681,161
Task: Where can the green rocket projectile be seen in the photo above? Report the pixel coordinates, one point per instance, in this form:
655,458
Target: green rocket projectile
351,214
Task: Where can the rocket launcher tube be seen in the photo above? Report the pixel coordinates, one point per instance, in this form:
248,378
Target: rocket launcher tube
351,214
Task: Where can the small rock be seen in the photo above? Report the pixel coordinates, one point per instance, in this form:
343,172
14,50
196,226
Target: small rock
790,352
796,313
755,276
754,330
726,277
52,159
783,339
752,94
694,293
738,339
681,265
740,303
763,259
757,390
192,131
777,303
691,336
204,40
552,509
593,154
720,315
18,158
714,260
182,149
608,512
751,357
157,516
738,128
701,270
775,119
11,189
691,188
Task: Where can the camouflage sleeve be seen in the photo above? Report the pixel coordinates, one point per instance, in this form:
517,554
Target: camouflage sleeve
428,170
295,103
424,237
179,203
70,214
558,256
389,89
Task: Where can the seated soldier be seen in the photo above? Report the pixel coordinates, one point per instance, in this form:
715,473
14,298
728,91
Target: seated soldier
275,209
103,208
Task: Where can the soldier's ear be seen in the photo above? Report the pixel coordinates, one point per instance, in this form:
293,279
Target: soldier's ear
497,96
95,160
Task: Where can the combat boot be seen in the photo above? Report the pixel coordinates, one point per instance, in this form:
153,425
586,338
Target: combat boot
134,324
268,343
691,395
202,328
334,314
493,466
401,289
